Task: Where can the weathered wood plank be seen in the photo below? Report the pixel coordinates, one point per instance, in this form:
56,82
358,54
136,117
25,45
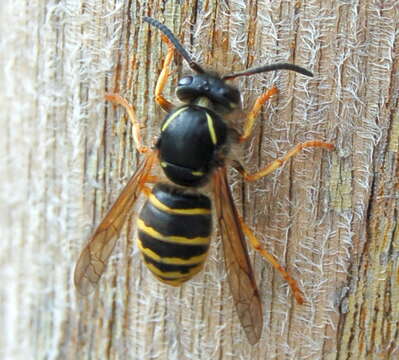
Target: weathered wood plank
331,218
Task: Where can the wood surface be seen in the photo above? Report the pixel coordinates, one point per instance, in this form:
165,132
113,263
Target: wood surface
330,218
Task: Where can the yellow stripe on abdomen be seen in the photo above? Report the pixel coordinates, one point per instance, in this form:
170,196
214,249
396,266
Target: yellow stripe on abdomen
171,260
171,239
199,211
174,274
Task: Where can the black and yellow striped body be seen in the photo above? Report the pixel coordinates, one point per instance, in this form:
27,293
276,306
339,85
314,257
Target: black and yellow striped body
174,229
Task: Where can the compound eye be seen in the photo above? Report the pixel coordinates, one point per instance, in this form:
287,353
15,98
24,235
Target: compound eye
187,80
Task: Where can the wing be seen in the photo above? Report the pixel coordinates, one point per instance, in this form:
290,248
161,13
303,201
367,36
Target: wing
94,256
241,278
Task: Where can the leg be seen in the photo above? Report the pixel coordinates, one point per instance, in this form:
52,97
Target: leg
250,121
279,162
163,77
119,100
273,261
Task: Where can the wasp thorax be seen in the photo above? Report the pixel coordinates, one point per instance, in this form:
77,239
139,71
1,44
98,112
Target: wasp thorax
224,97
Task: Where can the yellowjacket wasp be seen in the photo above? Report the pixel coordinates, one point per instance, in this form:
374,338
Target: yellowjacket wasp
175,224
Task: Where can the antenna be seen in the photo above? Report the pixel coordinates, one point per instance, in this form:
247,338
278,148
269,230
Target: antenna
179,47
266,68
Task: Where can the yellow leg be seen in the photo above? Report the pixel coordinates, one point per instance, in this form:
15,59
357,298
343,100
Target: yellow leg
279,162
119,100
273,261
251,117
163,77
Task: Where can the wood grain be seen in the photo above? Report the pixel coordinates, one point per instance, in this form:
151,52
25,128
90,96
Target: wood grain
330,218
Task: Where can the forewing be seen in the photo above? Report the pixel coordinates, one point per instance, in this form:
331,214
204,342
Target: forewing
241,278
94,256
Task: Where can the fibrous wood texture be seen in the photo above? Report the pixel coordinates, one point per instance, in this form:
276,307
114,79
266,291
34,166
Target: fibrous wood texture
330,218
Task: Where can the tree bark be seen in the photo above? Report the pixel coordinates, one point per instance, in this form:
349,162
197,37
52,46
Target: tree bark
330,218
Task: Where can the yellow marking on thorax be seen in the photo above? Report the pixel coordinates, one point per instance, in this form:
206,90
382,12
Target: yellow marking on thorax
171,239
211,129
171,260
174,116
195,211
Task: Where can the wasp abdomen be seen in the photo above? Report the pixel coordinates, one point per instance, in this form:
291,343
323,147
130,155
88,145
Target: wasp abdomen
174,229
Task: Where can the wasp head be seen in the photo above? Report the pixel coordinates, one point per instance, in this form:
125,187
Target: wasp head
223,97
